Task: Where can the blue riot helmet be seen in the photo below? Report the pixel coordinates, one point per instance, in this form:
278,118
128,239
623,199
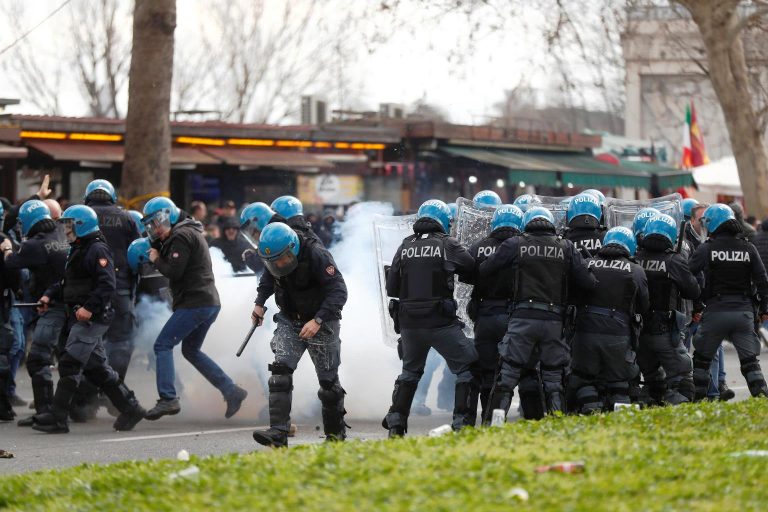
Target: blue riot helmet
537,213
253,219
279,249
79,220
2,215
594,192
525,201
288,207
160,213
100,190
454,211
688,205
436,210
137,216
715,216
138,253
32,212
661,225
641,219
623,237
507,216
487,198
584,204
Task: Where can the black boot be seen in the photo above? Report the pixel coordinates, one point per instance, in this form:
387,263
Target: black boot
726,393
42,390
271,437
396,421
55,421
462,413
531,395
125,401
331,395
280,395
754,376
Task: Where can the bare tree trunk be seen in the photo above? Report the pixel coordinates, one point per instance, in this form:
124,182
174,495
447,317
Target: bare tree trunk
719,22
148,131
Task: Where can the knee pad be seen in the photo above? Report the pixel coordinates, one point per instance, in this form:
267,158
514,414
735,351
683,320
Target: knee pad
686,388
700,362
103,377
280,383
38,362
330,392
69,367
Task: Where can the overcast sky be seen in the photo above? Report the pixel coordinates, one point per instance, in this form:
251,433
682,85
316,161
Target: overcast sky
407,67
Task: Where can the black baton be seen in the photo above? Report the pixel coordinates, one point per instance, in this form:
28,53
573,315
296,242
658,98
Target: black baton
250,333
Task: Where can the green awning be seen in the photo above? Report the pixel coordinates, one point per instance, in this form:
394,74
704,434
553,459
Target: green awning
582,169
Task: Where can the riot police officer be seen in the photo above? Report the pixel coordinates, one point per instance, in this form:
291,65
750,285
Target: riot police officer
9,282
253,219
151,283
87,290
526,201
663,360
488,309
44,253
583,221
291,212
310,292
733,271
118,229
421,278
543,265
606,328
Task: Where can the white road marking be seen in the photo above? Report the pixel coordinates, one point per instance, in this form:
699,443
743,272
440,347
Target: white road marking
177,434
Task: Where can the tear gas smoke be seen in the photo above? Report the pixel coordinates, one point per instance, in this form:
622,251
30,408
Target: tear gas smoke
368,367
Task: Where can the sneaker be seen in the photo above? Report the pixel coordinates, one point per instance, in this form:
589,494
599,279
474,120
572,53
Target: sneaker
234,401
726,393
127,420
271,437
164,406
421,410
17,401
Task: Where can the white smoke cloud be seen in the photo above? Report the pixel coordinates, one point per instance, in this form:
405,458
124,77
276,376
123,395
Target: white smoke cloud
368,367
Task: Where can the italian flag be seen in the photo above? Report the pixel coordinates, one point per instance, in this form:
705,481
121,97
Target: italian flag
694,153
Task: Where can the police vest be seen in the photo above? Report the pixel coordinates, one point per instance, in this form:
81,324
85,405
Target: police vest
616,288
664,294
541,270
78,282
422,268
115,225
590,240
56,250
498,286
299,294
729,267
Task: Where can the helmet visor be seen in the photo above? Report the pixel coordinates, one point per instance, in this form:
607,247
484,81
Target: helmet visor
281,265
250,233
157,225
69,229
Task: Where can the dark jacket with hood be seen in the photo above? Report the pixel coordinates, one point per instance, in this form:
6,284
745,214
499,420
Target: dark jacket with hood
233,249
186,261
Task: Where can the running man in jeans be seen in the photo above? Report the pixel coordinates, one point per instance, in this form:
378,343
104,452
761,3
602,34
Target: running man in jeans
180,252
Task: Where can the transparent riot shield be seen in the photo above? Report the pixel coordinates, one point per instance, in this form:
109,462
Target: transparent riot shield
621,212
559,208
388,234
472,224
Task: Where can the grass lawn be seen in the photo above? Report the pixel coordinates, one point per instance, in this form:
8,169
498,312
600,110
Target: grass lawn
684,458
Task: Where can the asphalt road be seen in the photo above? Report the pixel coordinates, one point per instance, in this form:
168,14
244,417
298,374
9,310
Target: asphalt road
194,431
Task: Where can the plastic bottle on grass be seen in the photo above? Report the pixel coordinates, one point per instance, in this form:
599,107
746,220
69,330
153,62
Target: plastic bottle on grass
440,431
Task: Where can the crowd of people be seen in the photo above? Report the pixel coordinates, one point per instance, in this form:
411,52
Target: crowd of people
577,317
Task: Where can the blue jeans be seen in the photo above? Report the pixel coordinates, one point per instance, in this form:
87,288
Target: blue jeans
433,361
188,327
17,349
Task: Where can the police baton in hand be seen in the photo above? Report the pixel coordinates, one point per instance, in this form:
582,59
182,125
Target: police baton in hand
258,322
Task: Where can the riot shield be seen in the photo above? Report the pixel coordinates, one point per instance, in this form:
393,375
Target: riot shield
388,234
621,212
559,208
473,223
